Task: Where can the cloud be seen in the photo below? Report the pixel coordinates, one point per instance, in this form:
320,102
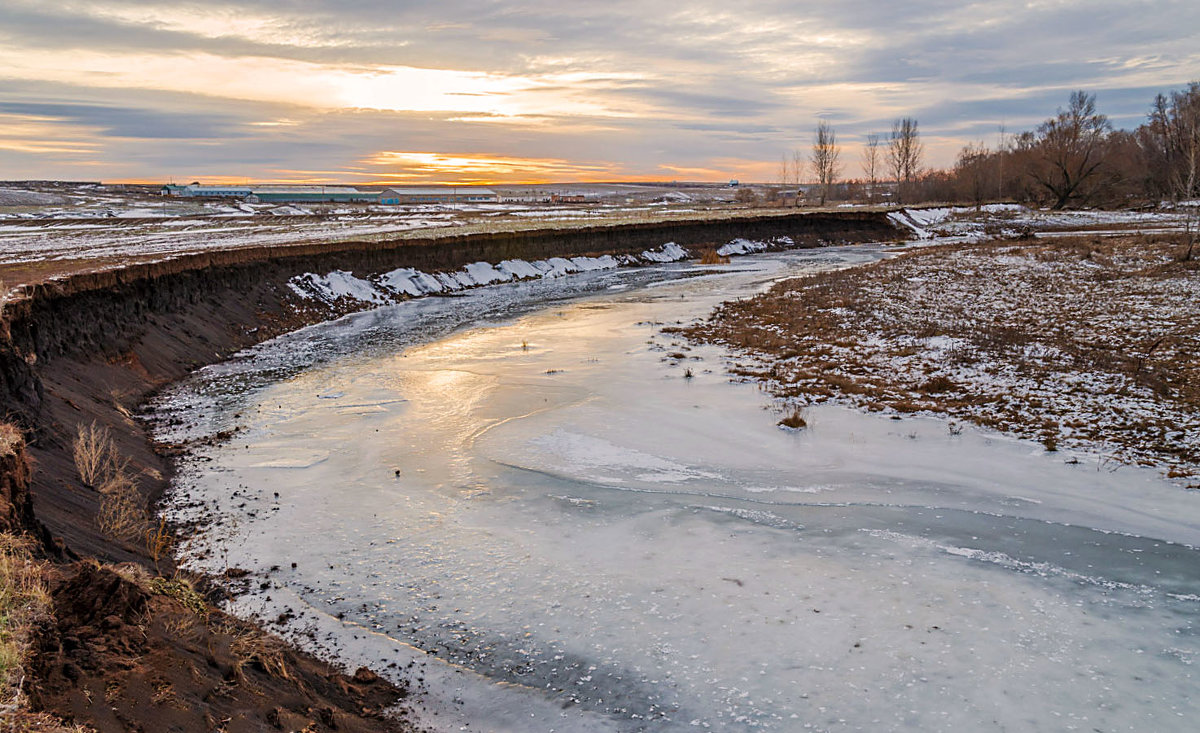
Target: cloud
637,88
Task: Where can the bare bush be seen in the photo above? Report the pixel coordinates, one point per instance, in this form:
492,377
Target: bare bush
94,455
121,512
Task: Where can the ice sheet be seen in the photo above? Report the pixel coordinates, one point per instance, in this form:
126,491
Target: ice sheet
549,501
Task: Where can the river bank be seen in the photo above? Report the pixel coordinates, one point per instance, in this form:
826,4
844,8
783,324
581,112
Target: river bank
89,349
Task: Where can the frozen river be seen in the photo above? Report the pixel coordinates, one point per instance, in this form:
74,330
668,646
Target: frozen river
519,498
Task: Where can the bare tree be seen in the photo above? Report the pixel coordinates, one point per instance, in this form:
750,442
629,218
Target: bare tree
971,172
785,169
1172,137
825,158
1070,152
1170,146
797,171
870,164
1003,148
904,153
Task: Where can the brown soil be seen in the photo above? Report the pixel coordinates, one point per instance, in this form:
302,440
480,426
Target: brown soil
129,652
1076,342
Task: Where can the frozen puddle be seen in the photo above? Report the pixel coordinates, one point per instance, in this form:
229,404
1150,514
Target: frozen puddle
561,532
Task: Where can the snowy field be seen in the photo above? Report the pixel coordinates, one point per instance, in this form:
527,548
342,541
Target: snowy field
68,228
562,519
1081,343
87,226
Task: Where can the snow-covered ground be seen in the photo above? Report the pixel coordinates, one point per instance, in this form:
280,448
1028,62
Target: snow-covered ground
1083,343
565,520
108,225
990,221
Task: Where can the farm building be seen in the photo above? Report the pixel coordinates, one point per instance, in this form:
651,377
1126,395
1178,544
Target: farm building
273,194
438,195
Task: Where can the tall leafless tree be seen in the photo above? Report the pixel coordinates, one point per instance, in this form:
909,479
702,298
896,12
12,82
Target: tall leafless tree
971,171
870,164
904,153
797,171
1175,122
1174,129
825,158
1070,152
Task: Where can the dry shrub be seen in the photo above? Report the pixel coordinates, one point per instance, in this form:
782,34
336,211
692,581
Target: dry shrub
95,455
159,542
710,257
794,420
23,601
121,512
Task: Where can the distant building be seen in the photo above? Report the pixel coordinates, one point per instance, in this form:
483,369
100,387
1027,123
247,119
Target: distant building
567,198
273,194
438,195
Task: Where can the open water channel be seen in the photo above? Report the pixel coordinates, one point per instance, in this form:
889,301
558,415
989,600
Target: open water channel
516,499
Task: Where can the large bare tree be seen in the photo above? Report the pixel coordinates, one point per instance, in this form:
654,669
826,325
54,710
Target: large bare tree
870,164
825,158
904,153
1070,152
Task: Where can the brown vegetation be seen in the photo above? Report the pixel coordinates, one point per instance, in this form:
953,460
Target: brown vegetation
1076,342
710,257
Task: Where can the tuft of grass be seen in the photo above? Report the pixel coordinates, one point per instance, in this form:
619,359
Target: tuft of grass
179,589
159,542
710,257
24,600
794,420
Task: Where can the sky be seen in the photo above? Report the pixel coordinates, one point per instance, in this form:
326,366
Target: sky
549,91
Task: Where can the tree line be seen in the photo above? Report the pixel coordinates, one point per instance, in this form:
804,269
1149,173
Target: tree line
1073,159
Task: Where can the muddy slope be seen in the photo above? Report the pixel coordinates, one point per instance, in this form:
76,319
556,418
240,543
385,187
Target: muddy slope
92,347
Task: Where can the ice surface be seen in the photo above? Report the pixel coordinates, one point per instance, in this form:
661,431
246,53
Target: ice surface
592,541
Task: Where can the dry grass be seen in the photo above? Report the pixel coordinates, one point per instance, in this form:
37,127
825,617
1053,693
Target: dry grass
710,257
159,542
794,420
181,590
10,439
122,510
24,601
252,647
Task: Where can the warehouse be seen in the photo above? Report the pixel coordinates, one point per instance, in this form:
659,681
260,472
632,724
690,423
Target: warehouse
439,195
274,194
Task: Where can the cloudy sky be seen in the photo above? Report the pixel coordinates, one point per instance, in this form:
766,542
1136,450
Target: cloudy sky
541,90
